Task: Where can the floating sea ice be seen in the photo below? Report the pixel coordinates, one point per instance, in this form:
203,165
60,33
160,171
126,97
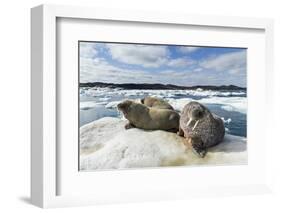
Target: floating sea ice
129,93
226,121
210,93
112,105
96,92
90,104
238,104
227,108
104,99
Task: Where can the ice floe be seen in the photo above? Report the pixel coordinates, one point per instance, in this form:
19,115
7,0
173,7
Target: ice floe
226,121
105,144
97,92
238,104
112,104
228,100
90,104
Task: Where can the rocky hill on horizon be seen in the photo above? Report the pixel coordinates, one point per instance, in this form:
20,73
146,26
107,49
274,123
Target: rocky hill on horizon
157,86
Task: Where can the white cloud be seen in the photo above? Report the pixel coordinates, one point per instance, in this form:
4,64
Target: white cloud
233,63
198,69
98,69
180,62
87,49
149,56
143,55
184,49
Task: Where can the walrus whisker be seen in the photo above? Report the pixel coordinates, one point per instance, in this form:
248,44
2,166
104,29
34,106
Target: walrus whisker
195,125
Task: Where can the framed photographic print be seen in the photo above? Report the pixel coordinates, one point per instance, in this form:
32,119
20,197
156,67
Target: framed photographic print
130,106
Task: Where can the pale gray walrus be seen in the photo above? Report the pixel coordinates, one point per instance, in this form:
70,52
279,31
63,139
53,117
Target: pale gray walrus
143,117
156,103
200,127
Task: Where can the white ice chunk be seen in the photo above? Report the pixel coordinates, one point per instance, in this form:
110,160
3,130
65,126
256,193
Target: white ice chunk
84,105
238,104
105,144
112,105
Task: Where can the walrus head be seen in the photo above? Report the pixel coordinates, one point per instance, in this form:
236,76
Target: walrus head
124,107
195,111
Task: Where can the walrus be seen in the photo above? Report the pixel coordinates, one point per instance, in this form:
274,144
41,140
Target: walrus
143,117
156,103
200,127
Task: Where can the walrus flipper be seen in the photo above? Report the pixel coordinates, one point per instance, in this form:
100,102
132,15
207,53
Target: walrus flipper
198,147
129,126
180,132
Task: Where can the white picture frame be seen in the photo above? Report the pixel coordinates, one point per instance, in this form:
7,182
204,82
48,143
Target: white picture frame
45,170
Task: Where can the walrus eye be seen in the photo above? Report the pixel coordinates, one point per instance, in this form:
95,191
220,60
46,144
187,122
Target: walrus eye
196,114
200,114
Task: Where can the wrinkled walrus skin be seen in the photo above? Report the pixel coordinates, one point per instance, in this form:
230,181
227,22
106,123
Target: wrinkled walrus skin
201,128
143,117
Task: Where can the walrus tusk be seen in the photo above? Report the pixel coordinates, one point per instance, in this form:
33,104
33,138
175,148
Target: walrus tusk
195,125
187,125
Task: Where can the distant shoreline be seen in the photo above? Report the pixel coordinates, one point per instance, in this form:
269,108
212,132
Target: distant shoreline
160,86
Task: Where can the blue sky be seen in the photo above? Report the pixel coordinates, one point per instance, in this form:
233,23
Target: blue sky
166,64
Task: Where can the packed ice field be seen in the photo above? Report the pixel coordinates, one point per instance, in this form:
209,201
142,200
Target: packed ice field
231,106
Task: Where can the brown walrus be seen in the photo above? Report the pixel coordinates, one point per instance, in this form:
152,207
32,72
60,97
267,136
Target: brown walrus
143,117
156,103
201,128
